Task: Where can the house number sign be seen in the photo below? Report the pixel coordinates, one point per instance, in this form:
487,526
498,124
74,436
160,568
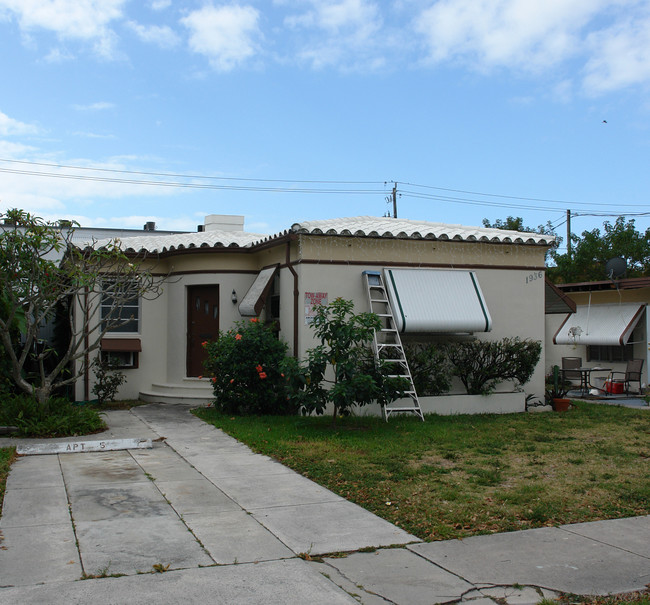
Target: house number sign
534,276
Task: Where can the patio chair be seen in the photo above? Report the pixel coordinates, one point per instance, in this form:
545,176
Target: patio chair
632,374
568,364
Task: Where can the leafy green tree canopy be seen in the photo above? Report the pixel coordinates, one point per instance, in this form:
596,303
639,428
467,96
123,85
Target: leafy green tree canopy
594,248
41,274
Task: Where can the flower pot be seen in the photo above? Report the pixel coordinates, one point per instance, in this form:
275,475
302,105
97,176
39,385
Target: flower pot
561,405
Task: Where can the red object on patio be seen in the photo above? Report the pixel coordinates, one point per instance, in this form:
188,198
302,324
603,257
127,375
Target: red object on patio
614,387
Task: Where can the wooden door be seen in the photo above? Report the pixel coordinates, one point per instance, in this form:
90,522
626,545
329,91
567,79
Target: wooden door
202,324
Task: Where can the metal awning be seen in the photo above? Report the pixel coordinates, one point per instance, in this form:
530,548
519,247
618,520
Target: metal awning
556,301
428,300
252,304
120,345
610,324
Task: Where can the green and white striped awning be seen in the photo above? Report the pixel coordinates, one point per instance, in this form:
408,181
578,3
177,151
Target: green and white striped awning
438,301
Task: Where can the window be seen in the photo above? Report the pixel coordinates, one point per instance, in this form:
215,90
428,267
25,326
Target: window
120,307
609,353
121,360
121,352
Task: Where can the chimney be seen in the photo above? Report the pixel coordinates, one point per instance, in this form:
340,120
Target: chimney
224,222
149,226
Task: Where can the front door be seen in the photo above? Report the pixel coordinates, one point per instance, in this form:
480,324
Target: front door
202,324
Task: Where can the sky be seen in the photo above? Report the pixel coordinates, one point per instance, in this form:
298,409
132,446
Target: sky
118,112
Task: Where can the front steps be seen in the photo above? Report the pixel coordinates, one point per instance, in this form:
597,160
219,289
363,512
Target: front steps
195,391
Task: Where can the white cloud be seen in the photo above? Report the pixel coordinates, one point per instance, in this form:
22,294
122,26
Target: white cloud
99,106
227,35
162,36
58,55
92,135
69,19
159,5
506,33
621,56
346,33
11,150
9,126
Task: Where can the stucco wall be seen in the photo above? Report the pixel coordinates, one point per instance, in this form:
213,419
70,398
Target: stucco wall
515,297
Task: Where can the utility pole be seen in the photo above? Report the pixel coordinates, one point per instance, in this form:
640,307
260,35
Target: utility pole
395,200
568,233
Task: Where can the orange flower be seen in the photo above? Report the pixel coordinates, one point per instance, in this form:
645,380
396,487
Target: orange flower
259,368
232,380
262,375
254,320
204,344
199,377
237,336
214,380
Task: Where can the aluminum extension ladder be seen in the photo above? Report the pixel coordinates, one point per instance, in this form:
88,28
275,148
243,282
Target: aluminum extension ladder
387,345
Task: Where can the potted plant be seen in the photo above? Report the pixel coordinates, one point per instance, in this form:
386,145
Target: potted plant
556,392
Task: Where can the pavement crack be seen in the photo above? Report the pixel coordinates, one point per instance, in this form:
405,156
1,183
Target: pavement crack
575,533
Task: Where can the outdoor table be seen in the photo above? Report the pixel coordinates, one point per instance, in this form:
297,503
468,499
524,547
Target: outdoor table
585,377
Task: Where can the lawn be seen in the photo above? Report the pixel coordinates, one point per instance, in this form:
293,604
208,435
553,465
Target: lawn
7,455
451,477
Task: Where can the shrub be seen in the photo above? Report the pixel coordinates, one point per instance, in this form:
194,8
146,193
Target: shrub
108,379
481,365
246,368
430,368
355,377
56,417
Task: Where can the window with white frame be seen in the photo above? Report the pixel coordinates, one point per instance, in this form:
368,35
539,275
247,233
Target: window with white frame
120,307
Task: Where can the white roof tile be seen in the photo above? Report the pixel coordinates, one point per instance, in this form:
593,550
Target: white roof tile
370,226
157,244
358,226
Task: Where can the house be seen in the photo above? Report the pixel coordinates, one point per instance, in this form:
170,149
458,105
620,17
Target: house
451,280
610,326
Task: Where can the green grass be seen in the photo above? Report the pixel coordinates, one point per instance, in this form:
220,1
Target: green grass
7,455
451,477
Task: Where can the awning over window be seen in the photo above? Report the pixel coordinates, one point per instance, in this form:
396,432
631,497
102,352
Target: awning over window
610,324
121,345
253,302
427,300
556,301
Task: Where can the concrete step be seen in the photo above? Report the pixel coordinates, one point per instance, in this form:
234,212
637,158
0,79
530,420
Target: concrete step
190,390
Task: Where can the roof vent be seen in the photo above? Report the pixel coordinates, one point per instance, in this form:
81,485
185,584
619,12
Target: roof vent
149,226
224,222
200,228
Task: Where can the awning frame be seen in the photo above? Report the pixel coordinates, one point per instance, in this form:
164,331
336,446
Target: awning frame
255,299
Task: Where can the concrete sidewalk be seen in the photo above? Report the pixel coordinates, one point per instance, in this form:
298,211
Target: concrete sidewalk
228,526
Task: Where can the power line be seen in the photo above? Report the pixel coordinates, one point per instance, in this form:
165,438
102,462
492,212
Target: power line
329,187
189,176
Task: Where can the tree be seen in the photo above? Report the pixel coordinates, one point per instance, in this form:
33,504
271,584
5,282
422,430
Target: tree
355,378
42,274
592,251
516,223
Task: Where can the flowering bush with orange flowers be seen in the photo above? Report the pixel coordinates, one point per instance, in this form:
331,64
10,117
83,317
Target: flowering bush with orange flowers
246,369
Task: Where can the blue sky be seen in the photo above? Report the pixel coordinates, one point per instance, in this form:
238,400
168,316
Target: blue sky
289,110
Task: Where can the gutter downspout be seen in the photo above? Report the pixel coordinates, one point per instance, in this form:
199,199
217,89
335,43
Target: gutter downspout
296,296
86,345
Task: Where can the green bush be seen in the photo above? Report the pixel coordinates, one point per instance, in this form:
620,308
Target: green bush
430,368
108,379
246,366
481,364
341,370
56,418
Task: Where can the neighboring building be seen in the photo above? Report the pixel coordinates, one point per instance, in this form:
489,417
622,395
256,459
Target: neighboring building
610,326
450,279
